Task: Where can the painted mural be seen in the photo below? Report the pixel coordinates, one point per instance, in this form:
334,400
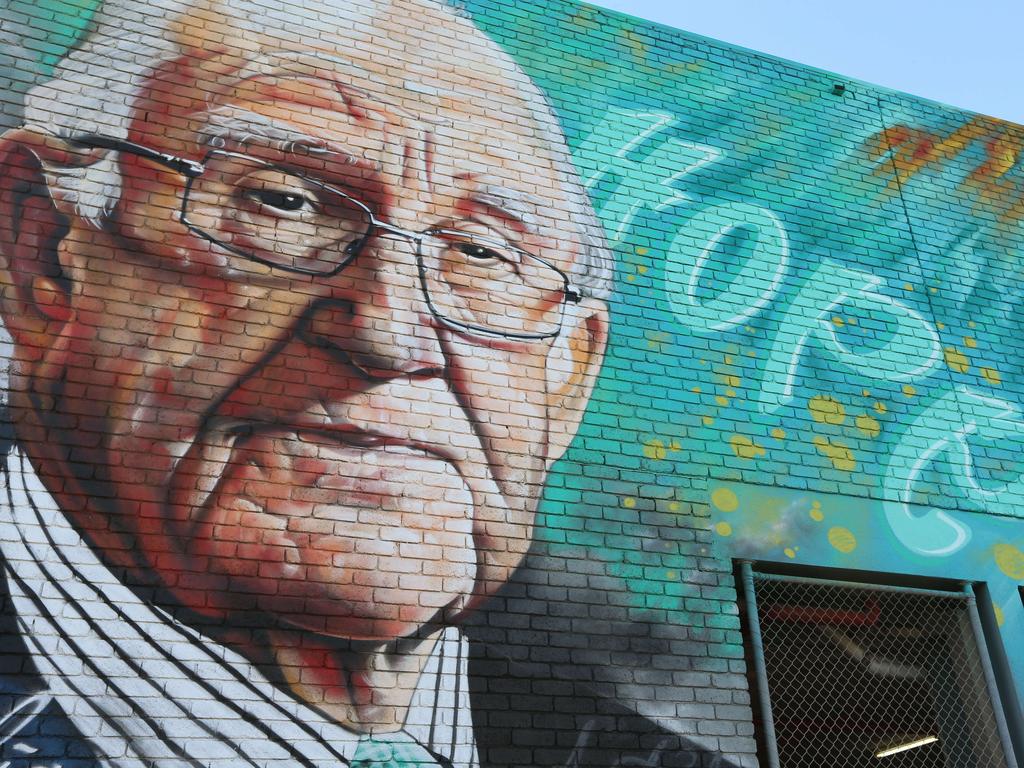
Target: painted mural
396,383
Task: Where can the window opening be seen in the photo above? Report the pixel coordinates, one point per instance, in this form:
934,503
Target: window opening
857,675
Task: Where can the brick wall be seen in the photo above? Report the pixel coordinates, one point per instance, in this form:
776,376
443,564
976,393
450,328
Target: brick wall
383,367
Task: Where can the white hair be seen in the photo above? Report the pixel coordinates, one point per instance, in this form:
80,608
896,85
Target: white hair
95,89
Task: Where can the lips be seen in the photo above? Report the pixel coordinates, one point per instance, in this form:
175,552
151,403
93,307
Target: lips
364,437
368,421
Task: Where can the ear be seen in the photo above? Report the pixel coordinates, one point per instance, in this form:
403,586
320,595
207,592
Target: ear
34,291
572,366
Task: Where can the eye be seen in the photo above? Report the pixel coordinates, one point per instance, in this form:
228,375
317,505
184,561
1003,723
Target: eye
481,253
281,200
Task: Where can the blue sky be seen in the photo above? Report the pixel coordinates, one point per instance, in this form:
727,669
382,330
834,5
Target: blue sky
968,55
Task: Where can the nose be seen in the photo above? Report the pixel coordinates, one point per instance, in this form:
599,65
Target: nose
377,315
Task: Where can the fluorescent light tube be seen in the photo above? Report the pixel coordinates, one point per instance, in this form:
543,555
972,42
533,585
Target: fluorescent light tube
909,745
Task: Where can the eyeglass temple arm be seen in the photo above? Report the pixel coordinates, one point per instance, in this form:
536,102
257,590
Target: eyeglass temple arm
185,167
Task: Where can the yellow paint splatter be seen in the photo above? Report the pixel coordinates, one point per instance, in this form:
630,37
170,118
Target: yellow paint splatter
722,401
629,502
880,407
673,506
940,325
842,539
838,322
1000,616
816,513
866,392
655,449
707,420
641,269
839,454
852,321
956,360
725,500
933,289
826,409
731,380
681,67
642,251
745,448
789,552
658,340
636,44
869,425
992,376
671,575
730,393
630,278
695,390
585,18
908,287
970,341
728,360
674,445
779,433
723,529
1010,560
971,324
909,390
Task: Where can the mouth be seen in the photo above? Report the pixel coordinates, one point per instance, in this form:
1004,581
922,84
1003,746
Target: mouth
234,432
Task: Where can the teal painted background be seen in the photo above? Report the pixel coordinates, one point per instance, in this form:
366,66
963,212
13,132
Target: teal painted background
815,355
818,304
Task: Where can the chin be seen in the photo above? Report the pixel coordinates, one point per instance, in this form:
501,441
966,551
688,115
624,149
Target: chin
373,605
366,627
338,594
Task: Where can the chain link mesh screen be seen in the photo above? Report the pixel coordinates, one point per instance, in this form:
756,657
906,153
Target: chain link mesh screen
863,677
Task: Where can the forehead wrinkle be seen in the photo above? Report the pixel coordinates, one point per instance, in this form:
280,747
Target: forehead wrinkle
349,78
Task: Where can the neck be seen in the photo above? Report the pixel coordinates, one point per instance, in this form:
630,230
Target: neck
365,686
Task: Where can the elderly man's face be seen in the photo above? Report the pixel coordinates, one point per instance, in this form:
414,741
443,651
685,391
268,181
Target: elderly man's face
323,450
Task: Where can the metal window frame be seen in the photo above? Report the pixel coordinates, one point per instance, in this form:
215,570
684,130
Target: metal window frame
966,595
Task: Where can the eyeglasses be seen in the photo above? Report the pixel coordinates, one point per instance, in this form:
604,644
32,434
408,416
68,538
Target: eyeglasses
278,216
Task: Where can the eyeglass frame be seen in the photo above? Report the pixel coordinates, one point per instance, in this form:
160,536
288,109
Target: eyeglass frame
192,170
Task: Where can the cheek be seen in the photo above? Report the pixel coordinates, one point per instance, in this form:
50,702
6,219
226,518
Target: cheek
505,396
144,361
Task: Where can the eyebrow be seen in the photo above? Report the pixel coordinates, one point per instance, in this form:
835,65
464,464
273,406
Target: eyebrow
241,126
510,203
289,63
